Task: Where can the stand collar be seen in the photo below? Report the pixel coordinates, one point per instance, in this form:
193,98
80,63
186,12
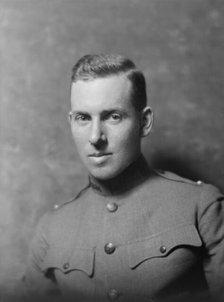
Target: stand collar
134,175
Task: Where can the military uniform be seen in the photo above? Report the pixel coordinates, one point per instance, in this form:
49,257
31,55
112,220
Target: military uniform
144,236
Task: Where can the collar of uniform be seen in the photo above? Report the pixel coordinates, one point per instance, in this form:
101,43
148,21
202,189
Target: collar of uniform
133,176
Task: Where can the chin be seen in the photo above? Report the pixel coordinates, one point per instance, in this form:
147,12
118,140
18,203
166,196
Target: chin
104,174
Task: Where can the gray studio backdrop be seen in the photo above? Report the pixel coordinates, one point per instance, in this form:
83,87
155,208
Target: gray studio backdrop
179,44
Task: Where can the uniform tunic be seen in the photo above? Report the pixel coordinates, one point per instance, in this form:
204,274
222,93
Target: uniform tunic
144,236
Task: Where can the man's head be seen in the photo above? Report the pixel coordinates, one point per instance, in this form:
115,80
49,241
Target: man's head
108,113
91,67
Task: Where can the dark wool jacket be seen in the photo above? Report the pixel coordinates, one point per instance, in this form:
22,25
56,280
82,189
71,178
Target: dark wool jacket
144,236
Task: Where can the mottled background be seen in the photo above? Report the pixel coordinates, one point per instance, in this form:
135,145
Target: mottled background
179,44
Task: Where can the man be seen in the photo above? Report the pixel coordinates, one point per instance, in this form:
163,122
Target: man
132,234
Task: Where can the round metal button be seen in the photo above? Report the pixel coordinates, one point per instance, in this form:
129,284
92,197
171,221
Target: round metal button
112,207
66,265
163,249
109,248
113,294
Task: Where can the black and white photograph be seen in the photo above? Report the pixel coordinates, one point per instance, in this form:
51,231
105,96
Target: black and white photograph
111,150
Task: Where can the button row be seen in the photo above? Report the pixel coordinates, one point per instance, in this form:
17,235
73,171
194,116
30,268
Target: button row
163,249
66,266
112,207
113,294
109,248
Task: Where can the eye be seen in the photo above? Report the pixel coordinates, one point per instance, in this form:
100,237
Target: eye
114,117
80,118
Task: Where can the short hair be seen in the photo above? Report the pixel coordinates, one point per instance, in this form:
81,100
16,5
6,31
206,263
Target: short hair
94,66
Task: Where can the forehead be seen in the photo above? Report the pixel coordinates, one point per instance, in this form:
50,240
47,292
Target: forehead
104,93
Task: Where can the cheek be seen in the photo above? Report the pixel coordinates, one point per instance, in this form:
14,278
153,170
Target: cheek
79,139
128,139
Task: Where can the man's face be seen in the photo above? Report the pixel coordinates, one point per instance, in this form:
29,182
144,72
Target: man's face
105,125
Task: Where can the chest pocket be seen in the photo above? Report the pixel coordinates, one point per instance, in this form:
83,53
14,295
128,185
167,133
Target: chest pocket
81,259
162,244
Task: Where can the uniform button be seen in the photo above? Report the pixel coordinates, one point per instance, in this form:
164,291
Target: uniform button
112,207
95,187
161,171
109,248
66,265
113,294
162,249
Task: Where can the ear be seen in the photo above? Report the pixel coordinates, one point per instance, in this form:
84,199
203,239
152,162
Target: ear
70,117
146,121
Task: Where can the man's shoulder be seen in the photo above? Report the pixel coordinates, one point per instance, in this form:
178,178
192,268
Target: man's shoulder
175,178
67,205
178,183
63,212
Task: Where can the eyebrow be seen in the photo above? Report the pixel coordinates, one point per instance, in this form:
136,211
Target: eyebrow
107,111
73,112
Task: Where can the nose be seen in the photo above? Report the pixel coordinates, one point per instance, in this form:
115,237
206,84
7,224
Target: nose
97,136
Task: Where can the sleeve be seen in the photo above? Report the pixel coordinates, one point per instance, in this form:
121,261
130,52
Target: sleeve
38,284
211,227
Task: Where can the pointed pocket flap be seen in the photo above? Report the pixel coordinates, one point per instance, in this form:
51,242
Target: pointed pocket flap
161,244
69,260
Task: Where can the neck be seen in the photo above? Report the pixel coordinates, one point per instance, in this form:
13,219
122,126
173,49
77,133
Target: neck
135,174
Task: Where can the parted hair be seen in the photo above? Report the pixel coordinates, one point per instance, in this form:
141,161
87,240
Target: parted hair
93,66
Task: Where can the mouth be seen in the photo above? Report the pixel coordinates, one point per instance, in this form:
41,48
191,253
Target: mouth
98,154
99,158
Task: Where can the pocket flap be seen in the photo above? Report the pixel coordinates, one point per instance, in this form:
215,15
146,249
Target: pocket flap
161,244
66,260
